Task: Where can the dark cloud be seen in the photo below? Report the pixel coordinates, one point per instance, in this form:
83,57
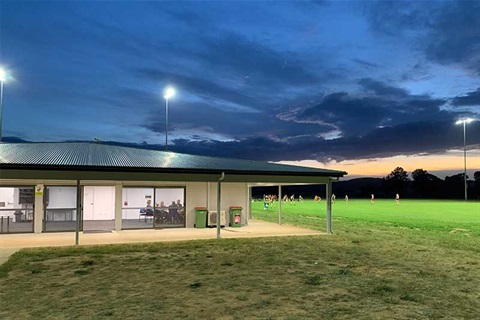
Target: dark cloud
447,32
455,35
209,123
397,18
380,105
426,137
382,89
353,116
365,63
470,99
261,64
372,123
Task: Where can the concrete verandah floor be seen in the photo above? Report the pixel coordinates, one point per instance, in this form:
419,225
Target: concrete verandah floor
10,243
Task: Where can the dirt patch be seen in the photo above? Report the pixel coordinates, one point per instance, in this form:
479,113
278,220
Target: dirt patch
459,230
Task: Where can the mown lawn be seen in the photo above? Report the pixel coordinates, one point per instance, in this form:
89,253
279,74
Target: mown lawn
379,264
431,215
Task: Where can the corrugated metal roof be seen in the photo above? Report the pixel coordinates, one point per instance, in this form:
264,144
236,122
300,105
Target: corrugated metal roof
96,155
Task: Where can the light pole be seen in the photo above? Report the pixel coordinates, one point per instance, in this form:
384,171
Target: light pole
464,122
169,92
3,77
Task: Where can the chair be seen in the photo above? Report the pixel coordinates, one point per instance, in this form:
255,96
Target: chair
160,216
145,213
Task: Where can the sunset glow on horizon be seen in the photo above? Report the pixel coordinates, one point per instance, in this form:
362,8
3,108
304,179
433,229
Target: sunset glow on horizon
439,165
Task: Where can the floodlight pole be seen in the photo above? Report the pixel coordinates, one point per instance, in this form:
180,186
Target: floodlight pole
169,92
1,107
465,158
166,124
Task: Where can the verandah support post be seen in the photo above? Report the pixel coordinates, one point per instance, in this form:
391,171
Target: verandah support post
329,206
78,215
118,206
279,204
219,194
249,203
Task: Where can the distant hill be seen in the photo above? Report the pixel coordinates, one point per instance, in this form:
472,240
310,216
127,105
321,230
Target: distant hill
13,140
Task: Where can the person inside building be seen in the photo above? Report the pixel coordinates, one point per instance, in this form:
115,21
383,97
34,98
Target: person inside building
148,206
173,212
161,213
181,211
147,211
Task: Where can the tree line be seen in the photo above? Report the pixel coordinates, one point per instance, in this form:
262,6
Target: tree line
426,185
419,184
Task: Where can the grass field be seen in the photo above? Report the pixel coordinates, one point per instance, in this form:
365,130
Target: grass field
443,216
419,260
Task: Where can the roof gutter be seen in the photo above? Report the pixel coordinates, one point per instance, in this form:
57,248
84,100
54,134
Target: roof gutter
329,173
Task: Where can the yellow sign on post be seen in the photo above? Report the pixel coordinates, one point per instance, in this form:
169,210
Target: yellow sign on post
39,190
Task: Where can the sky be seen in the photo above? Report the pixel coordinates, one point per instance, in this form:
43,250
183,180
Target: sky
360,86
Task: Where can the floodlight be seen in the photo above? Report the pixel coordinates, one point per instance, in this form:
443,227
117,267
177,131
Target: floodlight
169,92
465,120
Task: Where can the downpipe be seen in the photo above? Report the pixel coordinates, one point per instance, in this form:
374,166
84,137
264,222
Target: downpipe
219,194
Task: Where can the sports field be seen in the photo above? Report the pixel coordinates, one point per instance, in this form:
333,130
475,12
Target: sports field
433,215
418,260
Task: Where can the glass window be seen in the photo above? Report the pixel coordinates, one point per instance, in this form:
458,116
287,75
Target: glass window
169,207
16,209
60,208
153,207
137,208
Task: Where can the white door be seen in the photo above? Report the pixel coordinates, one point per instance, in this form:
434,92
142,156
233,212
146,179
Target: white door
88,212
98,208
104,203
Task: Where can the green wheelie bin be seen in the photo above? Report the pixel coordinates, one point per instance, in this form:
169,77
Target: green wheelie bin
235,216
200,217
